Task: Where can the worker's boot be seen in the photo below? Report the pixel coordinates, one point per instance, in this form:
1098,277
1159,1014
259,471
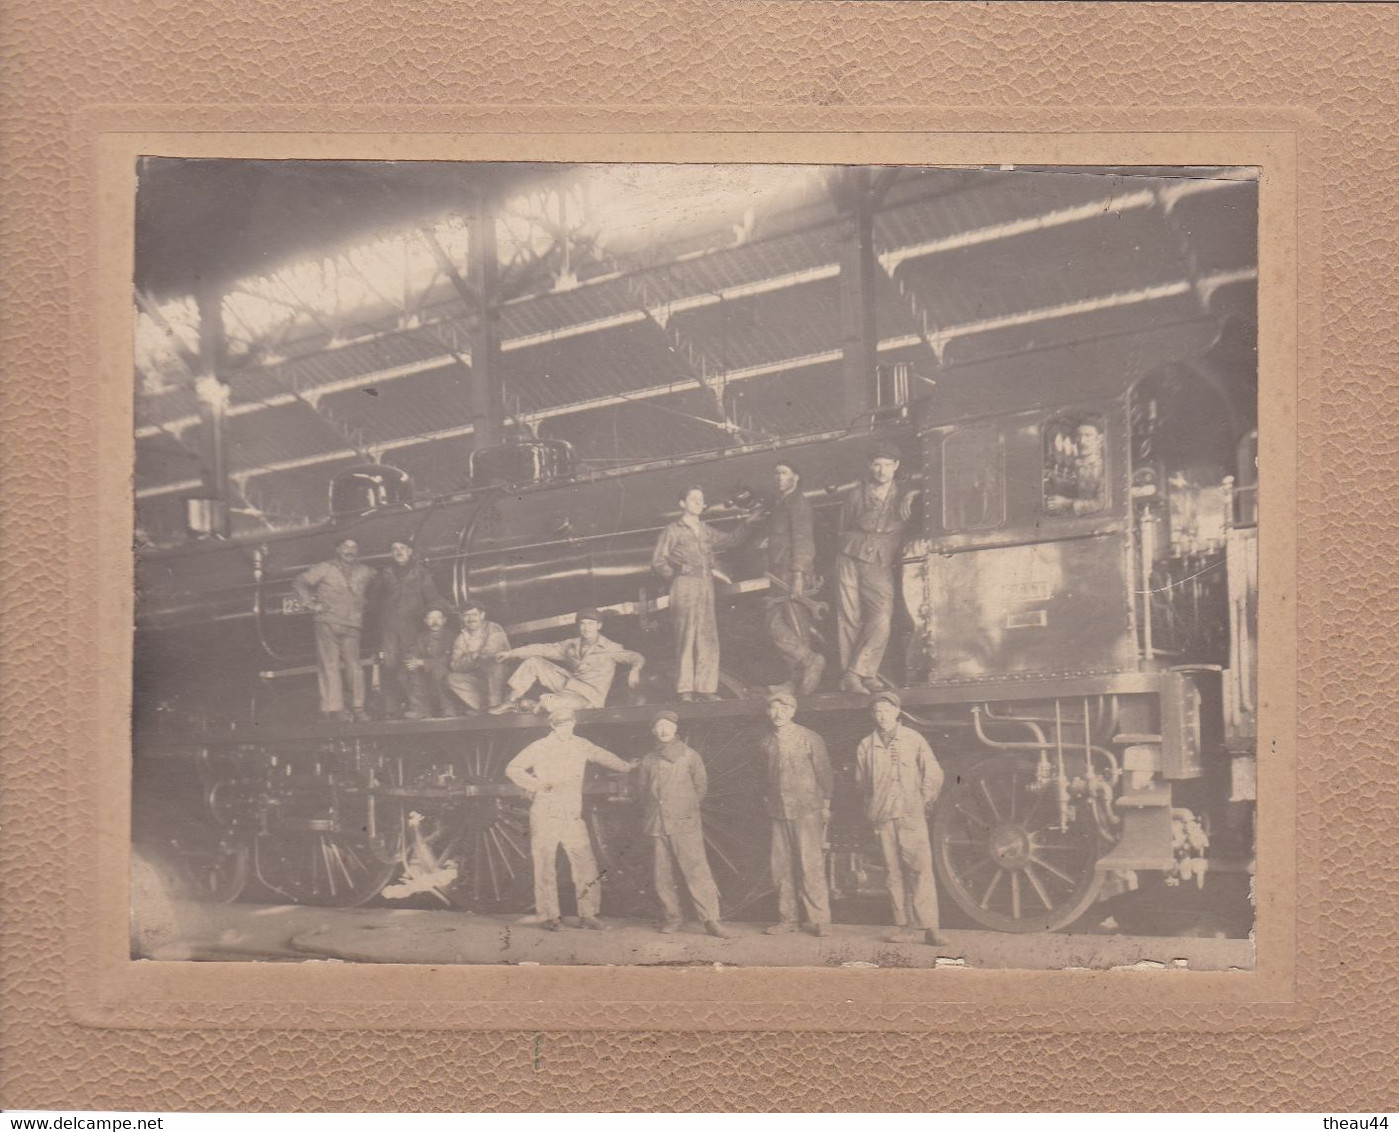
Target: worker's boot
717,930
852,683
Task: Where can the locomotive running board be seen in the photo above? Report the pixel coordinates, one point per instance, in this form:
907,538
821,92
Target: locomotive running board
1039,687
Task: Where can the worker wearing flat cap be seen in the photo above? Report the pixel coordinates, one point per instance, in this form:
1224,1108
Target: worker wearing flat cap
551,771
899,778
671,784
798,799
872,522
576,673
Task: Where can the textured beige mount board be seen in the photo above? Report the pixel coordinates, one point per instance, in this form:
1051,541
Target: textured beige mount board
108,989
530,67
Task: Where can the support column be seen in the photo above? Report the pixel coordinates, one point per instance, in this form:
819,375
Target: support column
213,395
486,400
858,271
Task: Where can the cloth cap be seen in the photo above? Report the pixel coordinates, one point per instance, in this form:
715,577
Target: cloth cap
589,614
437,607
782,698
562,714
888,698
670,715
886,451
470,605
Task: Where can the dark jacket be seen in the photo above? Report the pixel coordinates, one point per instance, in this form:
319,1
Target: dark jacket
791,542
671,783
404,594
870,530
799,777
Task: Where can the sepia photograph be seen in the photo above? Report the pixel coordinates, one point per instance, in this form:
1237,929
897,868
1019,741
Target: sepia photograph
777,565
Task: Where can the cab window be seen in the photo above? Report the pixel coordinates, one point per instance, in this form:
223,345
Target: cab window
973,479
1075,473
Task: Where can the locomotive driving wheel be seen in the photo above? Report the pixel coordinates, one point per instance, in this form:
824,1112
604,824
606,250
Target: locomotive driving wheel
1002,854
318,863
471,845
214,870
736,826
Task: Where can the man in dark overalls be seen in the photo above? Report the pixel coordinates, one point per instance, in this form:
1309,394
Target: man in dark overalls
403,591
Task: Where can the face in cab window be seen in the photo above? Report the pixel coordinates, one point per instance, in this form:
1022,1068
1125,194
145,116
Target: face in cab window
1075,474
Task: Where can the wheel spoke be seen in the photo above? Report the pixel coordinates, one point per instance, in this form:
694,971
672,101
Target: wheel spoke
1015,893
990,888
1037,886
1042,863
990,801
966,813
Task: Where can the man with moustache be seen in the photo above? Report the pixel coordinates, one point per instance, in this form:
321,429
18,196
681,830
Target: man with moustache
671,783
477,675
334,592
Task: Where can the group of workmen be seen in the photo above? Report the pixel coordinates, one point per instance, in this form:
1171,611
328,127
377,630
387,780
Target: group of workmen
430,670
898,778
436,673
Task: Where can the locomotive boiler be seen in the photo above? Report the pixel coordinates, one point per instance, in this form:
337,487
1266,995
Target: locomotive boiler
1078,642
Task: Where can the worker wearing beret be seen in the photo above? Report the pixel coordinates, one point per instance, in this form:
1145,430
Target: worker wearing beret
671,784
872,522
899,779
551,771
798,797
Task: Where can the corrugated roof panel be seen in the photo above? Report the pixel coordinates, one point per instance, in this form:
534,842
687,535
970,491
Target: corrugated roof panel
1080,327
794,322
287,432
160,459
1221,227
1123,253
993,203
622,359
425,403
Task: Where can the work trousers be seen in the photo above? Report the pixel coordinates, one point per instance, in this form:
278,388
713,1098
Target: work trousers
696,634
428,690
480,687
685,852
866,613
548,833
396,643
799,868
337,657
908,861
789,628
549,676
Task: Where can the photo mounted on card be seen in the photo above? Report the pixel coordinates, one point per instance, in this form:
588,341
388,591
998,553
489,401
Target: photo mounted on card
742,576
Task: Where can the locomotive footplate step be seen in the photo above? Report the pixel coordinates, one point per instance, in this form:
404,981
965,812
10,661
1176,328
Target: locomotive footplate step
382,935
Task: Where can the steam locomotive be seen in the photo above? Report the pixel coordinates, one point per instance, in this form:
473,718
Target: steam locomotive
1077,641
